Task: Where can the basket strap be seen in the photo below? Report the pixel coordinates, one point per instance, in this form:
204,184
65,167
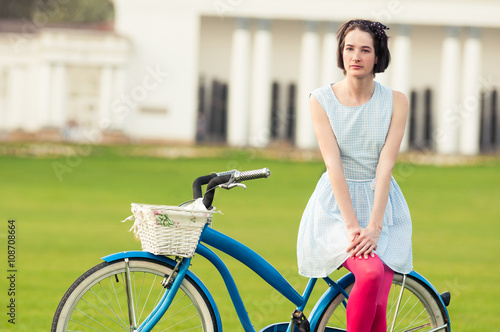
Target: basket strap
131,218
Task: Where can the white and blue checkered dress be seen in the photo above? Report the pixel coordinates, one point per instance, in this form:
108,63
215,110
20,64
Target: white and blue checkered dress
360,133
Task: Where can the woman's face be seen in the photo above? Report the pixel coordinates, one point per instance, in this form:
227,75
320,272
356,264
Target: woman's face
359,54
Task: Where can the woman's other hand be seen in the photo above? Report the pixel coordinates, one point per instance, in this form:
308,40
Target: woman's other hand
363,242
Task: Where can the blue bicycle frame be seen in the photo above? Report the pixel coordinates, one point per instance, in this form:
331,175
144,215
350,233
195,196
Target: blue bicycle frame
256,263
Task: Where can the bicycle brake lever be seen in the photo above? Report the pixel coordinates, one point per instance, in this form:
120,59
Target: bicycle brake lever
228,186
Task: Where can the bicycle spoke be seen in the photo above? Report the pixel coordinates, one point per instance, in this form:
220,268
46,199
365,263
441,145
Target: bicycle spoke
108,307
146,301
116,295
393,303
418,327
112,309
413,321
183,322
105,315
416,322
92,319
97,300
177,312
137,316
401,309
411,308
190,329
340,321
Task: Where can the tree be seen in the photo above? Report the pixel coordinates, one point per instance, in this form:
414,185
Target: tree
16,9
58,11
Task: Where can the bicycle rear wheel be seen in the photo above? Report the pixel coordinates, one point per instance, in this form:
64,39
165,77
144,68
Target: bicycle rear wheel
97,301
418,309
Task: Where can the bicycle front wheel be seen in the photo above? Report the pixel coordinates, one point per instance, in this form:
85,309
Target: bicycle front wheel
409,308
98,301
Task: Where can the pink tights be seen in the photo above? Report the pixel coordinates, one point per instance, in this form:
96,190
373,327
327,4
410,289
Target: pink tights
367,305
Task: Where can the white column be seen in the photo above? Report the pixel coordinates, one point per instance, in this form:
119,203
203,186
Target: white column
59,97
260,115
239,86
44,100
470,131
16,97
105,95
4,91
400,78
31,117
330,73
308,81
118,114
446,136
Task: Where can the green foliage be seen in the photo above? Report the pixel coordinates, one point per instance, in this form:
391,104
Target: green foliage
16,9
66,222
76,10
43,12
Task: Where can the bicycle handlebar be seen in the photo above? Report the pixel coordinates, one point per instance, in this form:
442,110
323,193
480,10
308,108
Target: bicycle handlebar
225,180
251,175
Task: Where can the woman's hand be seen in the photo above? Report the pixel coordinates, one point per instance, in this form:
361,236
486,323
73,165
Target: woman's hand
352,234
364,242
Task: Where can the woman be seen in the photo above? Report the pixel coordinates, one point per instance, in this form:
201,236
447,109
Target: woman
357,216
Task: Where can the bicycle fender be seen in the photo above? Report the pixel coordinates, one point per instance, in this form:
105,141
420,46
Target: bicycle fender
420,278
325,299
143,254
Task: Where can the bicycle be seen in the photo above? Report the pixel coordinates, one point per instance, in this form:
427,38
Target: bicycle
139,290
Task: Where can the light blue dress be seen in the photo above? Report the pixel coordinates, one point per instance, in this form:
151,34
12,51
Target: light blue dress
361,132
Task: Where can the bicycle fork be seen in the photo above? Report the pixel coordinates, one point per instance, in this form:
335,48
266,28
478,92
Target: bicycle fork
130,301
171,285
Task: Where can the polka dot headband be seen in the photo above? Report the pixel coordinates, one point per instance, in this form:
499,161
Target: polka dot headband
377,27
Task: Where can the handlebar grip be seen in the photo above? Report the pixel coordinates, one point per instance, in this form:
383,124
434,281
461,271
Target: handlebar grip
202,180
210,192
250,175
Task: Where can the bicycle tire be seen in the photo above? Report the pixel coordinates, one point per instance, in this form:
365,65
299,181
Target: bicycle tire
97,300
419,310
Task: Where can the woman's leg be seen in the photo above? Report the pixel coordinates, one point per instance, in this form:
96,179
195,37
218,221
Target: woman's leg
362,304
367,305
380,321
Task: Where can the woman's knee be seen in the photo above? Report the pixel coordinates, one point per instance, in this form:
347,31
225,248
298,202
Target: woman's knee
373,274
369,270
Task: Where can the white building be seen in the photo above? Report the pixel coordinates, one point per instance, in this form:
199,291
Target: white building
240,72
59,83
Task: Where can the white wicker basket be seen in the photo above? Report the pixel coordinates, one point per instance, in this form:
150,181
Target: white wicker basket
169,230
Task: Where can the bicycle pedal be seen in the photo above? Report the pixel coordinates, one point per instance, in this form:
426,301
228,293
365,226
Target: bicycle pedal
300,320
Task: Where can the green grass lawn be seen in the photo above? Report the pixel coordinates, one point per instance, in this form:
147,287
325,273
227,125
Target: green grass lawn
68,211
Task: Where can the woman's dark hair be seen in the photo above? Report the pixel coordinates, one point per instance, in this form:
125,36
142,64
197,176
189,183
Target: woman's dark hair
377,31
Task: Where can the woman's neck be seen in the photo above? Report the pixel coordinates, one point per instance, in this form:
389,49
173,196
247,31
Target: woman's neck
356,91
359,87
